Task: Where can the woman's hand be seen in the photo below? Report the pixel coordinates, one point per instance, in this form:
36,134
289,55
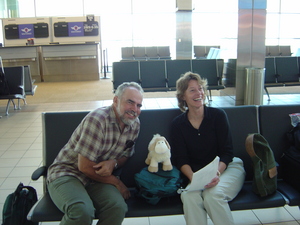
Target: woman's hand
213,182
216,179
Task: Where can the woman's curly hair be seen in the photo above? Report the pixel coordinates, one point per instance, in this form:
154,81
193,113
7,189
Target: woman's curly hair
182,85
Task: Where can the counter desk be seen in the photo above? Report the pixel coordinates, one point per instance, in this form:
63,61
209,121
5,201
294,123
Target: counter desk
22,56
56,62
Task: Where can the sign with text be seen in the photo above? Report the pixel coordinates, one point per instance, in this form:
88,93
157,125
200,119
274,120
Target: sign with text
76,29
25,31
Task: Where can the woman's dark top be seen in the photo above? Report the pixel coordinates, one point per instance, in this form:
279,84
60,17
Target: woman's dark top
198,147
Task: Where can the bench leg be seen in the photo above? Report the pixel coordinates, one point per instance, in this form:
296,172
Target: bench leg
269,99
19,107
13,102
15,106
7,106
209,98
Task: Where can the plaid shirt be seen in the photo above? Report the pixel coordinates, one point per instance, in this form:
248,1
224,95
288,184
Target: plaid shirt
98,138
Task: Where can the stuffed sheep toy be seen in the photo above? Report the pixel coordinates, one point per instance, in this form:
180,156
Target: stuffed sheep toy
159,152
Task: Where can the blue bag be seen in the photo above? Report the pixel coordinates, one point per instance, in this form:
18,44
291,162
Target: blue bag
154,186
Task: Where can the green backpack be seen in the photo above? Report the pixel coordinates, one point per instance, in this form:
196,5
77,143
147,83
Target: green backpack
264,165
154,186
17,205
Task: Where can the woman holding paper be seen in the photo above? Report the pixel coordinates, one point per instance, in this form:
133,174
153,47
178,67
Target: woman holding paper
198,135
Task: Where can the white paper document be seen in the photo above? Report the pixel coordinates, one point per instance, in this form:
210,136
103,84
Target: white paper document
204,176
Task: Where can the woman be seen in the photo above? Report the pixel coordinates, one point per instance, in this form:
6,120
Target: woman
198,135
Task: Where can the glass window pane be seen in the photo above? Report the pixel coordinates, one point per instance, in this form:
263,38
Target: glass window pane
228,25
273,5
215,6
3,8
220,25
203,32
103,7
272,28
153,6
59,8
120,29
26,8
290,6
149,30
287,26
145,23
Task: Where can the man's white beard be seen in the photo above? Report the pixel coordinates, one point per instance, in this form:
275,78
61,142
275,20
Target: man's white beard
122,117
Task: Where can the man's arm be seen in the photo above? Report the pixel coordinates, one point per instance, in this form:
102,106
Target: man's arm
106,168
86,166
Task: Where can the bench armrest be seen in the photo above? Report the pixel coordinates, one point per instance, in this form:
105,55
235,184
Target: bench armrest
41,171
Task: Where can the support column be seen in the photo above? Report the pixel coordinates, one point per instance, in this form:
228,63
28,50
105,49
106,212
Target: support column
251,42
184,35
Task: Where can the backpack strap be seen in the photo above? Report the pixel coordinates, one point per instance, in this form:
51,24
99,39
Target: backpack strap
249,145
264,164
264,152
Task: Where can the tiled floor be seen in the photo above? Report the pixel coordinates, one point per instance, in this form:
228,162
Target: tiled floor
21,144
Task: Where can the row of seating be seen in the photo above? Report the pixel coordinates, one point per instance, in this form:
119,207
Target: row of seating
163,52
201,51
146,53
278,50
281,71
161,75
19,83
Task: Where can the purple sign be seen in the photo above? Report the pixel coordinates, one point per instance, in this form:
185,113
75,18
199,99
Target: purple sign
75,29
26,31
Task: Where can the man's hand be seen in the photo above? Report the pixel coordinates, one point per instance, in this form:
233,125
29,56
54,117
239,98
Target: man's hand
102,171
123,190
105,168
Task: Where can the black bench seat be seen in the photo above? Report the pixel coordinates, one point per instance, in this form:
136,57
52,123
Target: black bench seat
58,126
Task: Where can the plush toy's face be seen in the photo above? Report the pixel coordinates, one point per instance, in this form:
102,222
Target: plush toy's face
161,147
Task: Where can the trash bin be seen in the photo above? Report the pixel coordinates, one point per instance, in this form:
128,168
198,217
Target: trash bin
255,78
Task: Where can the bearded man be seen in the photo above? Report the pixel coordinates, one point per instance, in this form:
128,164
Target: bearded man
83,180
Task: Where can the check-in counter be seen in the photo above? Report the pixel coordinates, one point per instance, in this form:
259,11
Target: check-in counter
55,48
57,62
70,62
22,56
